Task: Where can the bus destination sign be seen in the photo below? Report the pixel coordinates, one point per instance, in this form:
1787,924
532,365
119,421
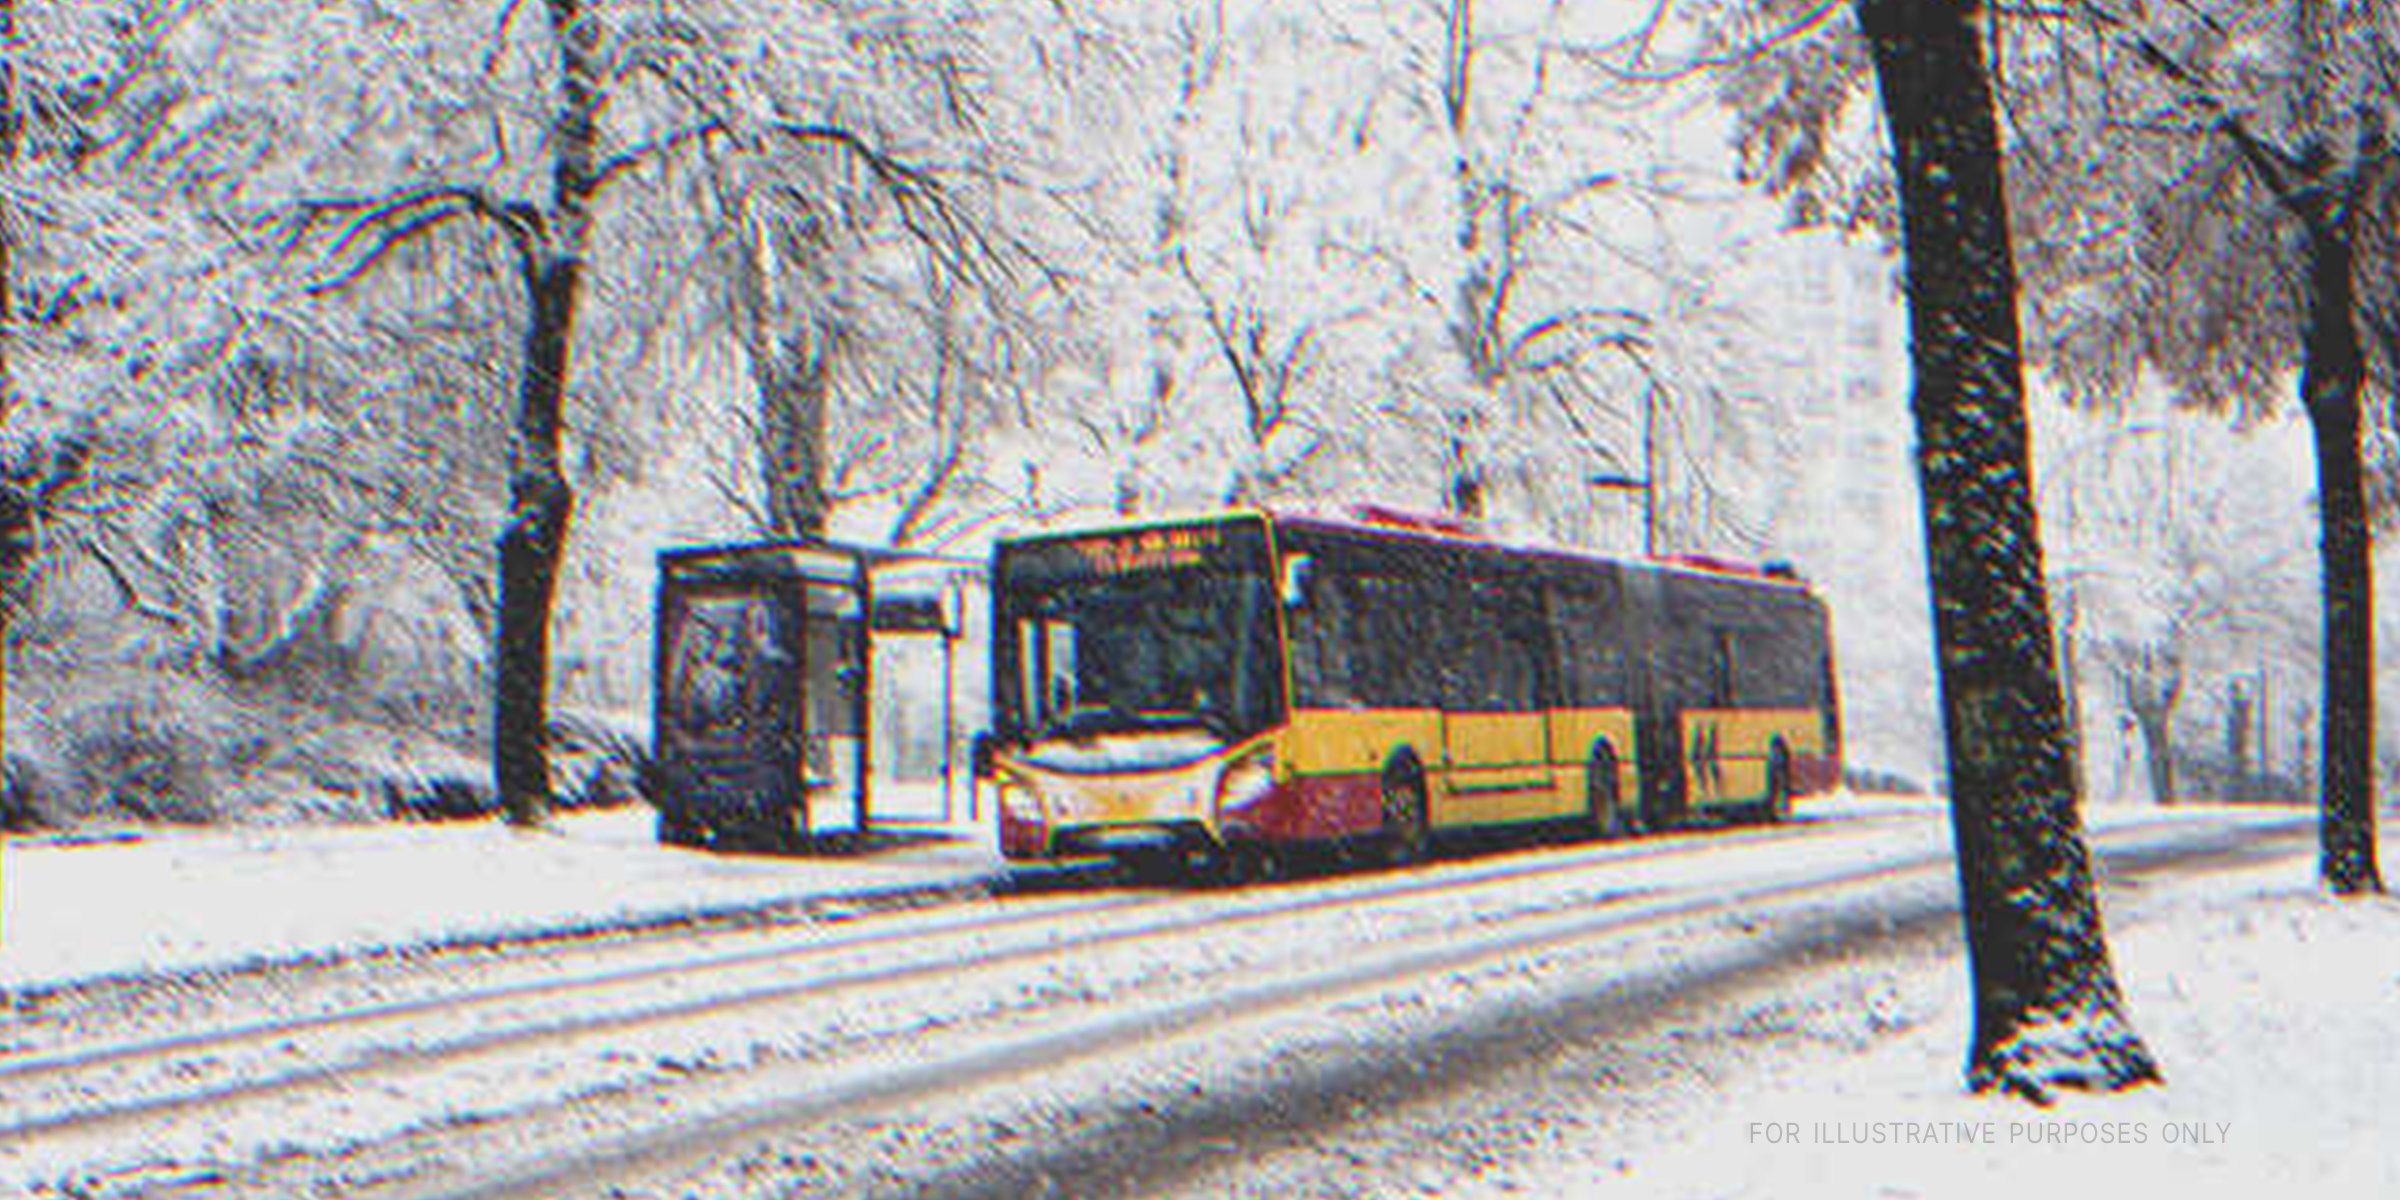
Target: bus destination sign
1115,553
1145,550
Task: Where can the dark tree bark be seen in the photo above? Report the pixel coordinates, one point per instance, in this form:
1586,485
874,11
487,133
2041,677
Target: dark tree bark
8,163
540,500
2151,679
2331,379
16,509
2157,724
2048,1013
2326,198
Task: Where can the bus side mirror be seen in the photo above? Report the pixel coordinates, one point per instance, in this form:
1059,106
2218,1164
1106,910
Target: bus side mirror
979,756
1295,580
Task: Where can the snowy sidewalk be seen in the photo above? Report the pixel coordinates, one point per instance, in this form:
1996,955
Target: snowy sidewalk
198,899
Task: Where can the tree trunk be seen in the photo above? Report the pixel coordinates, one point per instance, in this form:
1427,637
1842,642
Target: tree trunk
17,506
533,536
2048,1013
16,516
2330,380
791,366
1476,328
8,163
2158,729
794,377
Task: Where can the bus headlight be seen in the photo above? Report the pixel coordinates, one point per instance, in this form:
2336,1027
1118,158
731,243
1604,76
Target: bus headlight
1246,780
1020,802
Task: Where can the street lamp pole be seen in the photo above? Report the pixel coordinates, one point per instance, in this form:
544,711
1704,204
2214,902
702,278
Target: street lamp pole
1627,483
1647,482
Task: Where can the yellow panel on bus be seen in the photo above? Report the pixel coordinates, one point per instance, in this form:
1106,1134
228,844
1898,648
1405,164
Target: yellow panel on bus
1725,751
1346,742
1497,769
1574,734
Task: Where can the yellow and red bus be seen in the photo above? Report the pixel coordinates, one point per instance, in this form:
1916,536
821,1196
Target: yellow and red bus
1201,689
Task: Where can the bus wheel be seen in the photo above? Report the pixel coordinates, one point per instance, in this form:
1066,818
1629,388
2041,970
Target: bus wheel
1406,837
1153,868
1778,805
1602,817
1240,863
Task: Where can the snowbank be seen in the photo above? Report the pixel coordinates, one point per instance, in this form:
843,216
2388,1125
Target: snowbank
74,909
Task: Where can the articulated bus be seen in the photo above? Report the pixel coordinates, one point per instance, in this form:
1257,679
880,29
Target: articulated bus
1218,689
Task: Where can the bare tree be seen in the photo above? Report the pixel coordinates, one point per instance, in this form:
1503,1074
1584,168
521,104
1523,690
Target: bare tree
549,239
2048,1012
2236,238
2173,550
31,478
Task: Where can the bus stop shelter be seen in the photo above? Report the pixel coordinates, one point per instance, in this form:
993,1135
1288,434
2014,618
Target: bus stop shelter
764,687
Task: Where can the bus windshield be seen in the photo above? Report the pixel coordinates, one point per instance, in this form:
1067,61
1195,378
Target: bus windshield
1140,650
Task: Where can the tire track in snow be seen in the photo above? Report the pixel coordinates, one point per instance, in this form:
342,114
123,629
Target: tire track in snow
672,1146
186,1058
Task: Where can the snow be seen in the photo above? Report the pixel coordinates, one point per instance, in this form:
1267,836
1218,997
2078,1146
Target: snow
74,909
2272,1008
81,908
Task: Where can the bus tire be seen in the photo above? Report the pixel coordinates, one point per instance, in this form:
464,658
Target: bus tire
1153,868
1240,863
1603,816
1777,807
1407,836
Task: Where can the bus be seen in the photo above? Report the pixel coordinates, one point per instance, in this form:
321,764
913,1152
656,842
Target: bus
1218,689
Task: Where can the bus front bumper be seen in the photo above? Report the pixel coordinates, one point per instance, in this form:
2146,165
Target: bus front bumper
1032,841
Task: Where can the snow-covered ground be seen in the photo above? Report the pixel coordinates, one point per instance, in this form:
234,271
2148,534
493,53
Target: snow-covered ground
2272,1009
180,899
90,907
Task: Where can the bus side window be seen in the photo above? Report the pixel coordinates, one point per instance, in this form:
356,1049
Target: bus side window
1325,648
1591,641
1486,658
1394,665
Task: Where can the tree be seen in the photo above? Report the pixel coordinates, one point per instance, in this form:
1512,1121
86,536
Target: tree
551,244
32,477
548,238
2047,1008
2214,187
100,304
2048,1012
1561,330
664,84
2175,551
869,253
1511,199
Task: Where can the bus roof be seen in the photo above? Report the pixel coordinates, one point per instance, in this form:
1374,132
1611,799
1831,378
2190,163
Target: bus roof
1389,524
1376,522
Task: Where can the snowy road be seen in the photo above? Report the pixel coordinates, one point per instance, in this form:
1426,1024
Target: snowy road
1382,1032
